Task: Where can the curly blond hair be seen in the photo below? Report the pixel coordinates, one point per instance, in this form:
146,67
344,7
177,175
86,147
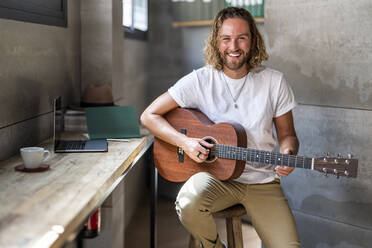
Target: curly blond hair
257,53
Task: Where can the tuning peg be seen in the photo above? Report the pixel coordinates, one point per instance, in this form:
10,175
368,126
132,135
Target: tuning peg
350,156
338,155
325,172
326,156
336,173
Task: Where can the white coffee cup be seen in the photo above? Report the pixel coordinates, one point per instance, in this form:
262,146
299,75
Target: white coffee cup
33,157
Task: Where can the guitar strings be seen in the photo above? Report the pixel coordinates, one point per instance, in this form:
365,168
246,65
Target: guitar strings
251,155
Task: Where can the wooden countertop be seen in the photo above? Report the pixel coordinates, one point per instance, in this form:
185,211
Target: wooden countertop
43,209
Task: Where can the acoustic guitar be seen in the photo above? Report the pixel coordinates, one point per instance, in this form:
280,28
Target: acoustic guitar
229,154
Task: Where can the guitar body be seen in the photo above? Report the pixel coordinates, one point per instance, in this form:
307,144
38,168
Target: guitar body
176,166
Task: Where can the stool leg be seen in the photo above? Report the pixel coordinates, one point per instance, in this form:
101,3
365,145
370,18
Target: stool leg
234,232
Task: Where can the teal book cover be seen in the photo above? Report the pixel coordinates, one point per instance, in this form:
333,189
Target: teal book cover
112,122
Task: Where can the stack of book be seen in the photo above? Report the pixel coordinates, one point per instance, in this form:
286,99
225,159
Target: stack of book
75,120
195,10
255,7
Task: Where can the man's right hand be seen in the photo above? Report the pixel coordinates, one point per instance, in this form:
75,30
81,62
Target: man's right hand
197,149
153,119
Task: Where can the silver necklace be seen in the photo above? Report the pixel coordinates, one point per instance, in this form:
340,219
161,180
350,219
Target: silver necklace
240,90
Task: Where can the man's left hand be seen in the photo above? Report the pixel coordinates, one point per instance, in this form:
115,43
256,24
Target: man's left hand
284,170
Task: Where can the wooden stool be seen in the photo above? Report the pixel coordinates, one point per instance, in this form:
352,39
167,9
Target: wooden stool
233,226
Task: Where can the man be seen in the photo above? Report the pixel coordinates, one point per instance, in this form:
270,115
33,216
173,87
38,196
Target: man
234,87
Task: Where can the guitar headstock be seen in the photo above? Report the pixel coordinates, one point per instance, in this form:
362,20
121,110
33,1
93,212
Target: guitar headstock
341,167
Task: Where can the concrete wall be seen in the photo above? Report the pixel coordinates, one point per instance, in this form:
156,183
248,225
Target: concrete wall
102,49
38,62
96,42
107,57
135,74
324,49
332,212
166,55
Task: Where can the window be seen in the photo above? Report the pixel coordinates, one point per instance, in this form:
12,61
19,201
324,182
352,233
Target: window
135,18
49,12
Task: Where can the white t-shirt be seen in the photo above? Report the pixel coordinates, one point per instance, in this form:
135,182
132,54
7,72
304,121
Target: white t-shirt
261,96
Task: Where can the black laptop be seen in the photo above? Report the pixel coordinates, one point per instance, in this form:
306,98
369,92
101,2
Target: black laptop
62,145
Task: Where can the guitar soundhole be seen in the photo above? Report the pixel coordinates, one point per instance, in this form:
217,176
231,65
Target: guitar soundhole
212,154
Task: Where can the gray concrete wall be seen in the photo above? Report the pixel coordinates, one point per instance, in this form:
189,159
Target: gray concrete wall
324,49
96,42
332,212
102,49
135,88
38,62
107,57
166,56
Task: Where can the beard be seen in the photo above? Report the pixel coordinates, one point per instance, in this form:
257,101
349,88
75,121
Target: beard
234,64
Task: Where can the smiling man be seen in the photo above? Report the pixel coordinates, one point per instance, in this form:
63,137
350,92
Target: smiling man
234,87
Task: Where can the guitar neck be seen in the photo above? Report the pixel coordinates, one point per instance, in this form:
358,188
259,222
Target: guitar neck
263,157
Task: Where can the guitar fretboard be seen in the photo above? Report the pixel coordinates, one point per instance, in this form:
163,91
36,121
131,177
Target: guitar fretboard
263,157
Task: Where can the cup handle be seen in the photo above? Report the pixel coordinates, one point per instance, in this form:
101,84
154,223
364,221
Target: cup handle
47,155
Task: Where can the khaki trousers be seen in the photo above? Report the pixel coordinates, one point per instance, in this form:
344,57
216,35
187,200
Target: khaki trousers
266,207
